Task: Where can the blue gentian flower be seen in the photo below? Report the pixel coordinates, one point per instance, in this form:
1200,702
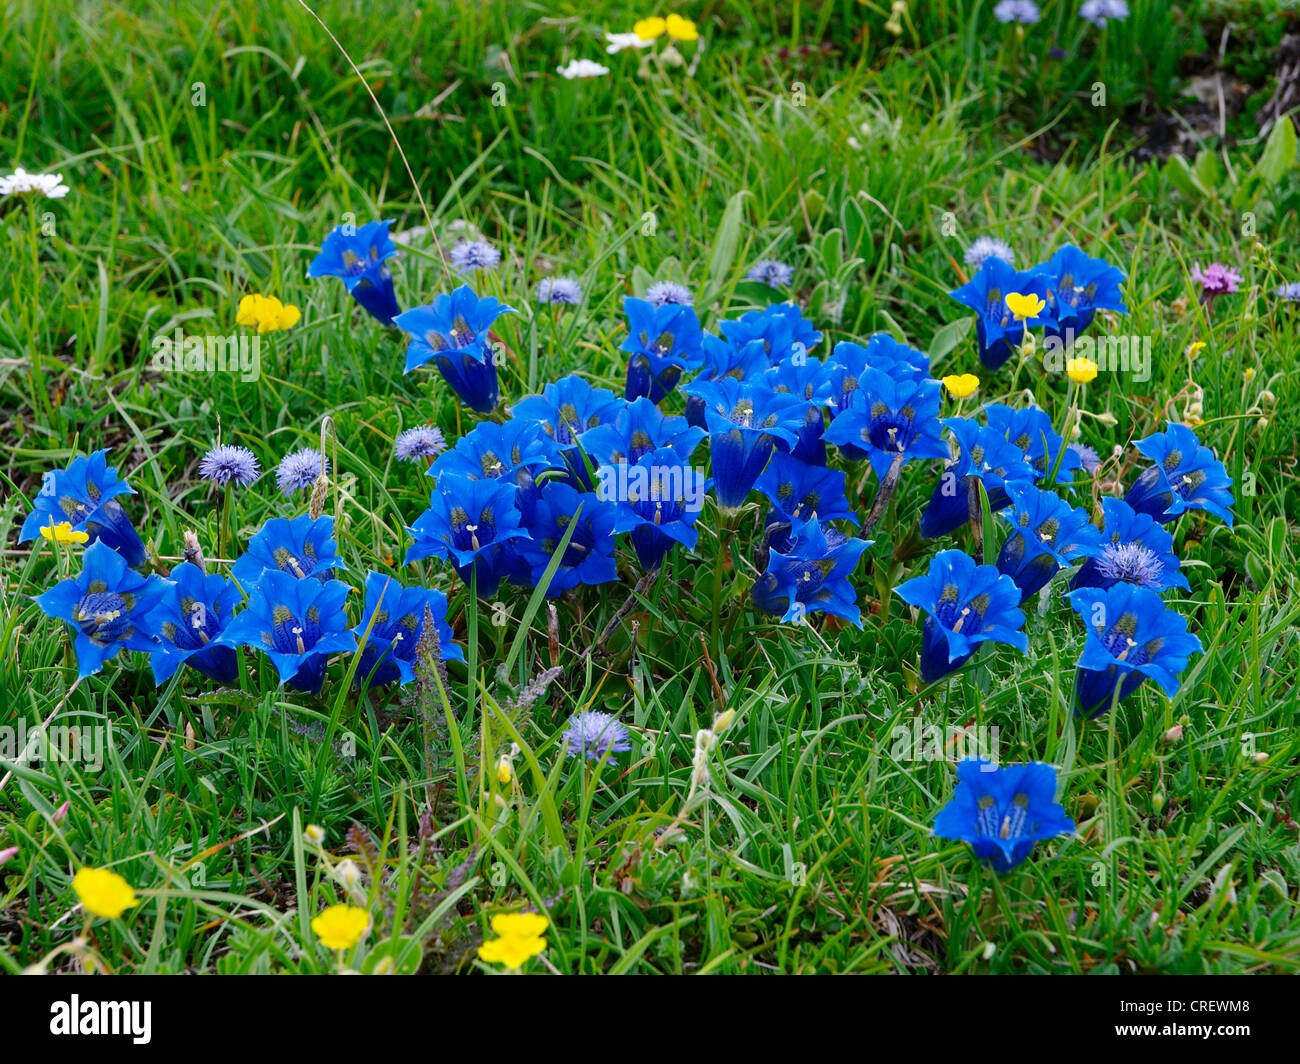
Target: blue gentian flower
658,500
984,455
296,623
1135,548
453,331
781,328
849,361
1132,636
1003,812
1077,287
558,291
470,255
302,547
888,417
518,451
299,470
358,257
770,272
107,606
812,575
1186,476
1046,535
423,441
809,381
565,410
85,496
589,557
638,428
965,605
194,610
594,735
663,341
721,359
1030,429
398,614
747,422
669,294
799,491
225,464
467,522
997,330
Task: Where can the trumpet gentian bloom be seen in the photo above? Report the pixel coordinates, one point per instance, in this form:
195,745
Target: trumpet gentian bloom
106,604
85,496
985,455
565,410
1031,430
1135,548
589,557
1186,476
747,421
658,500
663,341
1132,636
358,257
1078,287
799,491
808,380
887,418
296,623
998,331
638,428
453,331
398,614
812,576
965,605
193,611
1046,536
781,328
301,547
1003,812
467,522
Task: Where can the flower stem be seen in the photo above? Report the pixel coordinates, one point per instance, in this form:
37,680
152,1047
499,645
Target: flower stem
884,493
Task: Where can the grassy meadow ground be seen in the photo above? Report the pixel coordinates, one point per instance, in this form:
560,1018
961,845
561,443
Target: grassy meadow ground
209,148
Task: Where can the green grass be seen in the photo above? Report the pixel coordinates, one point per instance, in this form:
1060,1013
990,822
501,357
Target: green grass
806,845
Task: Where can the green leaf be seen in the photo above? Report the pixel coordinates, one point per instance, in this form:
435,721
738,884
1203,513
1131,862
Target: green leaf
727,242
1279,153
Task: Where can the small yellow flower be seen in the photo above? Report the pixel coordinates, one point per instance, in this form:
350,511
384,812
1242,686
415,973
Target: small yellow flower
104,893
650,28
1249,374
1081,370
1195,348
519,936
341,926
681,29
505,771
267,313
960,385
1025,306
63,533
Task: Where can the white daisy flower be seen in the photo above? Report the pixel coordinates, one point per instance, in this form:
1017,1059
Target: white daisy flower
619,41
583,68
20,181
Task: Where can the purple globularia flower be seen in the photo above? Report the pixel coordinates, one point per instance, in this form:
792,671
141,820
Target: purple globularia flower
1290,290
423,441
594,735
225,463
471,255
1089,459
988,247
298,471
558,290
665,293
1098,11
771,273
1023,11
1216,280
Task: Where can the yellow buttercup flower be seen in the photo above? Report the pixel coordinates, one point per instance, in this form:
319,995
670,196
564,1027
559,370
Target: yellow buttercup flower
1025,306
1194,348
104,893
341,926
519,937
960,385
63,532
650,28
681,29
1081,370
267,313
